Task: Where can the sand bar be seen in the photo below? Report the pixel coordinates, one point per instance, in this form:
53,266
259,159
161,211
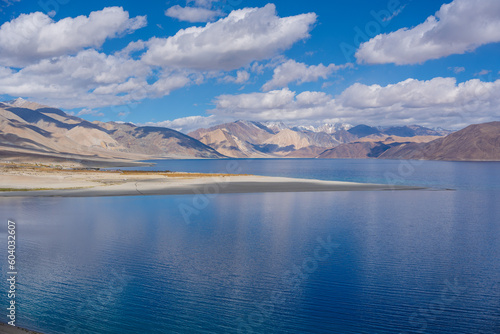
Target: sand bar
48,182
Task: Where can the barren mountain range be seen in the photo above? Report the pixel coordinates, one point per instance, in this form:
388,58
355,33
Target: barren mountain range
244,139
478,142
33,132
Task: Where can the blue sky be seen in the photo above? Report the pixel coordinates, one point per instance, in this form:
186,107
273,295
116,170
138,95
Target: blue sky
195,63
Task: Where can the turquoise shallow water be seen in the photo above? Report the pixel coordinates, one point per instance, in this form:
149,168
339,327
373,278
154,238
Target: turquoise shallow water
344,262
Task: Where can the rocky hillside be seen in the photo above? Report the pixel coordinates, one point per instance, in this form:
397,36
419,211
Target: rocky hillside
372,146
29,131
480,142
357,150
244,139
241,139
33,132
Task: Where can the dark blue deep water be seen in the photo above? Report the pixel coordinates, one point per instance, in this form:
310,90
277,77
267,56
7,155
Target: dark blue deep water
329,262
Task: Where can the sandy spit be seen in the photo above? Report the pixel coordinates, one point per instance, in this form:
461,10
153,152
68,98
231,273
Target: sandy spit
35,183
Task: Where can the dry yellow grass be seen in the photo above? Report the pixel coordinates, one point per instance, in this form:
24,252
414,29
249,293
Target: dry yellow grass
6,167
40,189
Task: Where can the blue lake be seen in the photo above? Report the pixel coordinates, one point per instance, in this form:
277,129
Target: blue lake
329,262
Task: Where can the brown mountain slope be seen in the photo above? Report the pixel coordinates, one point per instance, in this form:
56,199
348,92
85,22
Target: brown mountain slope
299,140
372,146
357,150
252,132
237,139
159,142
229,145
22,103
306,152
275,139
480,142
223,142
31,131
397,139
242,139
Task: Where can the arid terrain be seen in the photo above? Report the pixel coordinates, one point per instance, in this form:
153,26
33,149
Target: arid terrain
42,181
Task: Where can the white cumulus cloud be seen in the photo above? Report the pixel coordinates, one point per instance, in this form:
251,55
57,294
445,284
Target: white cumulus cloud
241,77
88,79
188,124
291,71
230,43
281,104
192,14
437,102
457,69
458,27
31,37
482,72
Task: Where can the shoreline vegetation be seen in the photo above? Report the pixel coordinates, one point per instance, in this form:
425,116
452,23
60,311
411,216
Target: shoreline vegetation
36,180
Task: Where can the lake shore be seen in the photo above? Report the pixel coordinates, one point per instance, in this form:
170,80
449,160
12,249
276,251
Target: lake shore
29,181
7,329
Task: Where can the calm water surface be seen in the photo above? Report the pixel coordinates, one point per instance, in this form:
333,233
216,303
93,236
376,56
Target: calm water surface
329,262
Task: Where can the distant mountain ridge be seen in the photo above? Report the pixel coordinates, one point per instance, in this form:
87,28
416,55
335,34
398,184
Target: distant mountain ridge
478,142
401,131
250,139
32,131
